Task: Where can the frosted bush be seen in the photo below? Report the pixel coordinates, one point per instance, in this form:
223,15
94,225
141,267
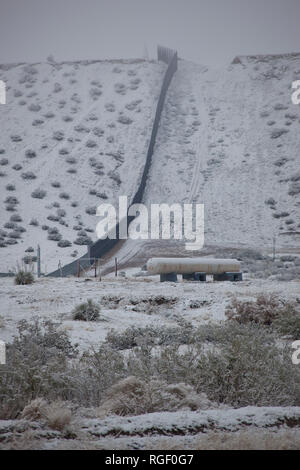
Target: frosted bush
53,218
17,167
16,138
87,311
34,222
55,184
28,175
120,88
83,241
64,243
91,143
58,135
10,187
91,210
38,194
64,195
3,161
294,188
124,119
24,278
133,396
34,107
30,153
16,218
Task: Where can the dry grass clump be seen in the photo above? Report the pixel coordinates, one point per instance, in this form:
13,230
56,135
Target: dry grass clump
23,278
55,415
134,396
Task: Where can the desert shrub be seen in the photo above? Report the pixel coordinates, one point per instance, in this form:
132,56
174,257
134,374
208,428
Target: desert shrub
15,234
95,93
72,171
38,356
91,143
34,107
30,249
38,194
17,167
53,218
11,241
115,177
64,195
67,118
82,129
120,88
91,210
28,175
134,83
64,243
3,161
278,133
71,160
296,177
10,187
110,107
30,153
83,241
58,135
2,174
288,323
23,278
10,225
263,310
132,105
151,336
16,218
20,229
124,119
133,396
270,202
37,122
87,311
56,237
49,115
97,131
102,195
61,212
16,138
55,184
294,188
63,151
34,222
11,200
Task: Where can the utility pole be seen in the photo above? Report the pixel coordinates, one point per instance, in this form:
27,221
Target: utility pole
38,261
116,267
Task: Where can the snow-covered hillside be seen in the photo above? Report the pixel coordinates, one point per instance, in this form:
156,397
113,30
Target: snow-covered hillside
228,138
73,135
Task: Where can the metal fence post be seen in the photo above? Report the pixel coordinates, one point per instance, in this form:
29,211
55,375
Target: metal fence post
38,261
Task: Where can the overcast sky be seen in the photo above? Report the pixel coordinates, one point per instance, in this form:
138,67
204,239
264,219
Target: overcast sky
210,32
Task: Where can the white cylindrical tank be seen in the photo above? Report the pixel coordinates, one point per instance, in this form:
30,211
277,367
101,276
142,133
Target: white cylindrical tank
192,265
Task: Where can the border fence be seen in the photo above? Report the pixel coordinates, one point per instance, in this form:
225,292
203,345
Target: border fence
102,247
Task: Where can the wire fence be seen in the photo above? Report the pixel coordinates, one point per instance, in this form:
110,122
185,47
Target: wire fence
101,247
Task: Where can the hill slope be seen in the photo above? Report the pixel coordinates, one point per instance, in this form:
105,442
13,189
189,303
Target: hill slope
73,135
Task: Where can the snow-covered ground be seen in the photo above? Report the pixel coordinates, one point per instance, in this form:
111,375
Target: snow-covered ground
83,125
228,138
54,299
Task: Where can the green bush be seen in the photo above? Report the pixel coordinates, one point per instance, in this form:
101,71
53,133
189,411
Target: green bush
23,278
87,311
